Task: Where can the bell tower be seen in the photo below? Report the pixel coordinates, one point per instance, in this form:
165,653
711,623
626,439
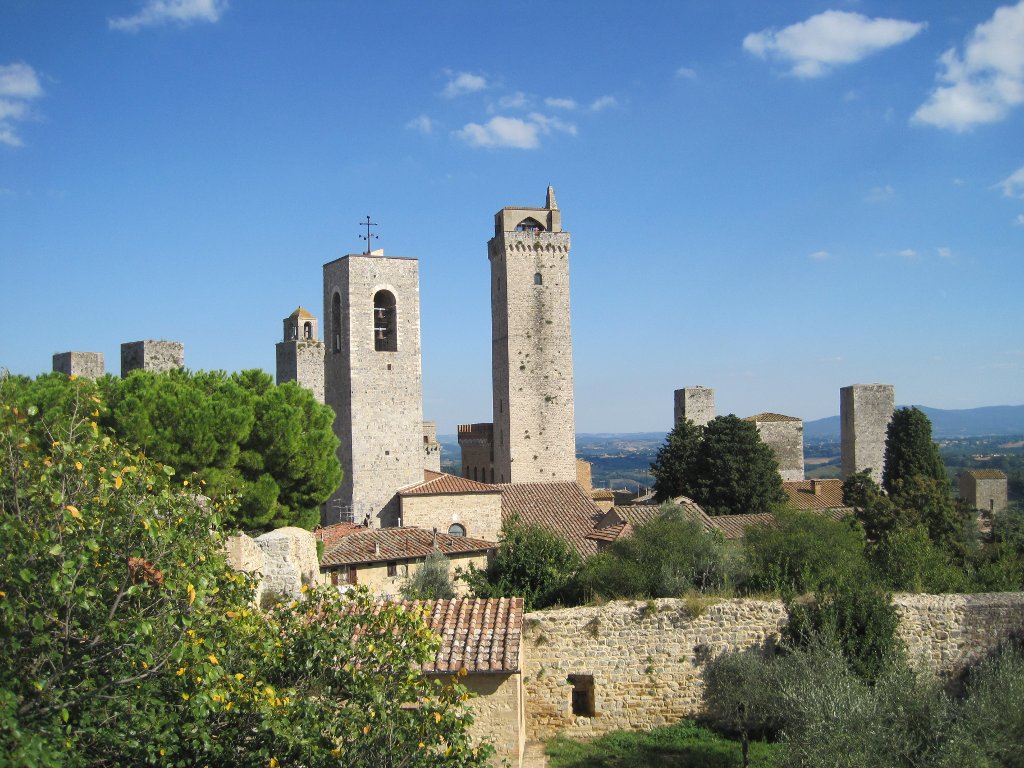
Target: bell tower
300,355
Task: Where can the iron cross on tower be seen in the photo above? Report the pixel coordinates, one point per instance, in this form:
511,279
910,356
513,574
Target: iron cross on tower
368,237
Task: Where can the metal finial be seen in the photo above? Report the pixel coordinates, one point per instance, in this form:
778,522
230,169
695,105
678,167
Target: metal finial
369,237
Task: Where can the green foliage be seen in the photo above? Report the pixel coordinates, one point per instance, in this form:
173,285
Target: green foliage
908,561
531,563
125,639
991,718
741,694
665,557
674,466
909,450
802,552
431,580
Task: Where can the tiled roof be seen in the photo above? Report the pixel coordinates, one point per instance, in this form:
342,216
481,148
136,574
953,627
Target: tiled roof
560,507
300,312
331,533
735,526
380,545
619,521
478,635
802,493
441,482
987,474
602,494
771,417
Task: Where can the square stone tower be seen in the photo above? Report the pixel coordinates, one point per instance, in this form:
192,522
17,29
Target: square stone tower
785,436
696,404
985,489
88,365
531,346
373,382
865,411
300,357
157,356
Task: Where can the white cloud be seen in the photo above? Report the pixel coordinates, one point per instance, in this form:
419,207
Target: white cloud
908,253
880,194
821,256
1019,221
19,85
463,83
513,132
686,73
603,102
423,124
944,253
1013,185
986,82
829,39
517,100
560,103
155,13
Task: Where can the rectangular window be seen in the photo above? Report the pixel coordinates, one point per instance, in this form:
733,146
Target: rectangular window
392,569
582,695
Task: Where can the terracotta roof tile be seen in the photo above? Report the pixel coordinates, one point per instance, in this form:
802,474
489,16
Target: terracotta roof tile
815,494
329,534
379,545
441,482
478,635
735,526
764,417
619,521
300,312
987,474
560,507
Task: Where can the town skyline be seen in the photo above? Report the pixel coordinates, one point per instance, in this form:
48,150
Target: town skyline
754,207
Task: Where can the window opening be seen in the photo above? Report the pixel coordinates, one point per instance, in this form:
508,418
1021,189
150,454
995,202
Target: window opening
456,530
336,322
385,326
392,569
307,330
529,225
538,278
582,695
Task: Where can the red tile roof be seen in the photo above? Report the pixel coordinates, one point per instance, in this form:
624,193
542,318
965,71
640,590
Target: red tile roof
331,533
987,474
619,521
735,526
563,508
441,482
815,494
765,417
478,635
380,545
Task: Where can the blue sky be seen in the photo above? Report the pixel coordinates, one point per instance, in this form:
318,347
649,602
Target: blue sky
771,199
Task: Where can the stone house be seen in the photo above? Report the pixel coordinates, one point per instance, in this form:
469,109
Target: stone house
453,504
383,559
985,489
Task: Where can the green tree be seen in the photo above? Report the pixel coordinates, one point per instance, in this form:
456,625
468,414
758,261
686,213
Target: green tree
531,562
909,450
908,561
125,639
431,581
674,465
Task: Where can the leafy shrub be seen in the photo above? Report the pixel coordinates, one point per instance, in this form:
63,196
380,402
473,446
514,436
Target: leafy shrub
431,581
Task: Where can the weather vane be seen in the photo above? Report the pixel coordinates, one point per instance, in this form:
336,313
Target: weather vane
369,237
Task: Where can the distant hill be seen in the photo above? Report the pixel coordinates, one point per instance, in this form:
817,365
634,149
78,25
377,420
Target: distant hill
968,422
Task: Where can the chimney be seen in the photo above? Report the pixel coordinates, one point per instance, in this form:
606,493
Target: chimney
434,542
815,488
376,549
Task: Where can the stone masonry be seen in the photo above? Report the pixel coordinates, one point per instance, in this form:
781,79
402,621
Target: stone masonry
696,404
985,489
477,444
373,382
865,411
431,448
785,436
531,354
646,659
282,561
88,365
150,355
300,355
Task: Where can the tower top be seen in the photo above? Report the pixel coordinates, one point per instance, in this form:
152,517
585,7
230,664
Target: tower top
550,203
522,219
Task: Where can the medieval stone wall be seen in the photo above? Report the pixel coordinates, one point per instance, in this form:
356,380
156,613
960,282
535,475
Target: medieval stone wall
786,439
694,403
282,560
302,361
88,365
478,513
498,714
647,659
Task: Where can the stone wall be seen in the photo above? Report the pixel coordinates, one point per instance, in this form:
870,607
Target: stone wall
302,361
865,411
477,444
647,659
694,403
498,714
786,439
479,513
150,355
282,560
88,365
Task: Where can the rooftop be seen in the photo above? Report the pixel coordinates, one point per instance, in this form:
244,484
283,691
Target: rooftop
815,494
380,545
560,507
986,474
441,482
765,417
478,635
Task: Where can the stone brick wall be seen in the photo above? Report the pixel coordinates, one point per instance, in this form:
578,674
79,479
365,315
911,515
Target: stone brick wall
647,659
88,365
479,513
696,404
282,560
302,361
865,411
986,494
476,442
498,714
786,439
150,355
431,448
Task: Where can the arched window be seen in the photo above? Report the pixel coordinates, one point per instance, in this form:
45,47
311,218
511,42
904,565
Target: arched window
385,322
538,278
457,530
529,224
336,322
307,330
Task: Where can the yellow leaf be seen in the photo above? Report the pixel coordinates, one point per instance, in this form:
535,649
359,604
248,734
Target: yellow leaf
366,729
191,594
74,511
118,482
213,659
273,763
78,466
437,717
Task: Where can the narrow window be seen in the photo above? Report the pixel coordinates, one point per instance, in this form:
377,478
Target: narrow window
456,530
392,569
307,330
582,695
336,322
385,325
538,278
492,475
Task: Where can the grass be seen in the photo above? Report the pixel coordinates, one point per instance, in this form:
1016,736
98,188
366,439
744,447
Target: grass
683,745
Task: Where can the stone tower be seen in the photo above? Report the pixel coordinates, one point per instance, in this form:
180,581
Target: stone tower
785,436
696,404
300,356
88,365
865,411
373,382
531,346
150,355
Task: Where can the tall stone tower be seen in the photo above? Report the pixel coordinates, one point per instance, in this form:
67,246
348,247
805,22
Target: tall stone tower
150,355
865,411
696,404
88,365
531,346
300,356
373,382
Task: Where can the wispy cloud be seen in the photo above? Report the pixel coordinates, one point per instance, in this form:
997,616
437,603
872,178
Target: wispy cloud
907,253
880,194
155,13
461,83
553,103
512,132
517,100
603,102
19,86
944,253
686,73
1019,221
820,256
822,42
423,124
1013,185
983,84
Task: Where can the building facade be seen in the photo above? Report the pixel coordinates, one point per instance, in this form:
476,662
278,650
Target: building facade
785,436
150,355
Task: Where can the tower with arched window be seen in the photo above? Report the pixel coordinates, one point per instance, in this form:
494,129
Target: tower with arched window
531,355
373,382
300,355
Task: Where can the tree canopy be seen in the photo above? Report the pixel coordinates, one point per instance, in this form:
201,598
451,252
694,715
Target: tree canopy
724,466
909,450
126,640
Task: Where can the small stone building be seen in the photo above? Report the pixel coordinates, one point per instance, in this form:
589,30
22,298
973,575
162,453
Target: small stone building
985,489
454,505
785,436
865,411
694,403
